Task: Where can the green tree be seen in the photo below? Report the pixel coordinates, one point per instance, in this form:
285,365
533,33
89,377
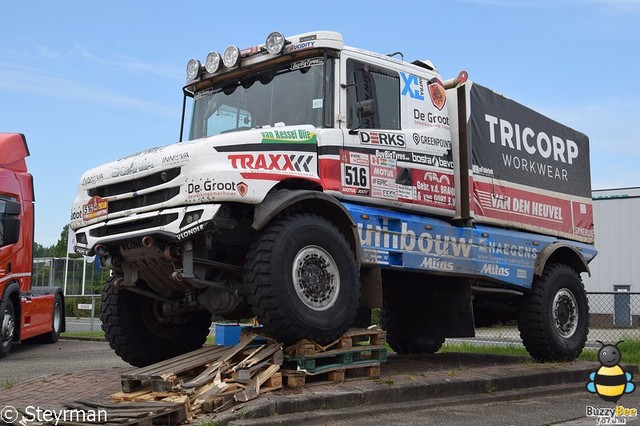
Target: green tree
41,251
60,249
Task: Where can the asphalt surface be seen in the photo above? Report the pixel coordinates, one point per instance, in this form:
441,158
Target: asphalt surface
31,361
444,388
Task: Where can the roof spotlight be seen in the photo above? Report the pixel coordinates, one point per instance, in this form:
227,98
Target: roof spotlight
275,43
193,69
231,56
212,63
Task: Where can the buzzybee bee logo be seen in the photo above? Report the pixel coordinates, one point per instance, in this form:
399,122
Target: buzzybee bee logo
610,381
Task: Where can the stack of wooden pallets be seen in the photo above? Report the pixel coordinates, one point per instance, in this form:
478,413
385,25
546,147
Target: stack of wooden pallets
209,379
358,352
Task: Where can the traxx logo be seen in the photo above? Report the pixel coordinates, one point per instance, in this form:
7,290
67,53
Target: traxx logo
279,162
412,86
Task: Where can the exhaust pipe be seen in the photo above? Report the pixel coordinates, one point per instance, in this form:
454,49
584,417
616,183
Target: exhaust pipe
148,242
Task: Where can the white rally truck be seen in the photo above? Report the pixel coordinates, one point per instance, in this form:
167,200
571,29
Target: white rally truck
318,181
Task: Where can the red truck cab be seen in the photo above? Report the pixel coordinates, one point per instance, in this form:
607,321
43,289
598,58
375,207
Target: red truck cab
25,314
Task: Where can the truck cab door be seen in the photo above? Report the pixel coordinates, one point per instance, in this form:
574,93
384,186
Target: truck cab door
374,142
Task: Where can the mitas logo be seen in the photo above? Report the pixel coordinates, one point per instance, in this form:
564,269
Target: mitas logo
437,93
379,138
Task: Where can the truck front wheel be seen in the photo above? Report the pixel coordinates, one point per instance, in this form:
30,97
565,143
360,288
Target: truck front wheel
140,335
554,316
7,328
303,280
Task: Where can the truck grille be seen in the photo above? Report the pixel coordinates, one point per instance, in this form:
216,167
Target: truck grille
137,225
136,184
143,200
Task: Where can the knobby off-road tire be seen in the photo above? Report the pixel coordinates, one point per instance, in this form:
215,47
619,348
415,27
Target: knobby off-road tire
553,317
303,280
133,329
7,328
400,317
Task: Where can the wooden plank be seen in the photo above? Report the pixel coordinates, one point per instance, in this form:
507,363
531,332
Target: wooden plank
203,377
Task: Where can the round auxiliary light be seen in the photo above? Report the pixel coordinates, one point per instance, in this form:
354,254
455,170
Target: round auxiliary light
231,56
212,63
193,69
275,43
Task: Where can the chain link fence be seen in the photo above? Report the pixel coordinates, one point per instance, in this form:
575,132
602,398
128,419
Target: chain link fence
613,316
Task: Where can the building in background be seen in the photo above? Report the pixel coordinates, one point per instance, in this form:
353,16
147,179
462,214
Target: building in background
616,268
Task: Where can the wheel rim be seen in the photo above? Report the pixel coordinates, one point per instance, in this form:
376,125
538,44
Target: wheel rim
565,313
8,327
57,317
316,279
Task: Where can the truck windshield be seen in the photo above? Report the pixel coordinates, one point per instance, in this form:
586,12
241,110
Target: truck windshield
292,94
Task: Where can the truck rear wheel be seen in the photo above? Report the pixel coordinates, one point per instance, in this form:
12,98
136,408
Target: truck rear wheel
7,328
303,280
140,335
553,317
400,317
57,318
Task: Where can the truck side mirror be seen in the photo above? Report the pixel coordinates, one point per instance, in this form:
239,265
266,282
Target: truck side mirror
9,231
9,222
366,108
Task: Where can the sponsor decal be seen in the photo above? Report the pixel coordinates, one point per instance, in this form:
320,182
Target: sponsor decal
409,240
242,189
435,189
529,208
521,137
191,231
384,171
380,138
300,46
134,166
412,86
437,264
496,270
76,214
212,188
306,63
505,249
180,157
272,162
96,207
437,93
93,179
284,136
430,119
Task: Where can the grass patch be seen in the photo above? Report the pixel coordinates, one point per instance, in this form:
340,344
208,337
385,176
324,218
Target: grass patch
84,334
469,347
8,384
630,350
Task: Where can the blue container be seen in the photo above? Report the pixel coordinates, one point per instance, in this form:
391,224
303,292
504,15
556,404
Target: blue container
228,334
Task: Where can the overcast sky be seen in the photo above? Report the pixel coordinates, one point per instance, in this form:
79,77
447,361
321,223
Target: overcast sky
89,82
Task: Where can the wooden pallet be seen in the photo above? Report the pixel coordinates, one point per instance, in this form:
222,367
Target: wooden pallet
338,358
210,377
187,363
352,338
356,348
297,379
